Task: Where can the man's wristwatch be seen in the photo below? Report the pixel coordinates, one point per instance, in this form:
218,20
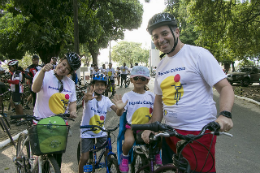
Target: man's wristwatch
226,114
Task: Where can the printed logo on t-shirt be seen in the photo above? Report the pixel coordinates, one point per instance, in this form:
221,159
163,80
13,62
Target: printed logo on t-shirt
142,115
109,73
58,103
97,120
172,90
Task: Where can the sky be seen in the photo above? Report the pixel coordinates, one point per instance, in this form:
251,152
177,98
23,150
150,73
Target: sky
139,35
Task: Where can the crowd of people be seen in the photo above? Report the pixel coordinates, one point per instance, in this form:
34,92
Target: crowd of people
182,95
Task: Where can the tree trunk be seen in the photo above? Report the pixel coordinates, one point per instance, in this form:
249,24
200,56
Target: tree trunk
94,57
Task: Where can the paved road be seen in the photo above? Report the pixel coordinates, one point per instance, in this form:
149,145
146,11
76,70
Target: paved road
239,154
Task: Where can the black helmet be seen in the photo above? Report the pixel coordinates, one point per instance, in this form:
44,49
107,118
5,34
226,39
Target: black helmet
73,60
35,56
161,19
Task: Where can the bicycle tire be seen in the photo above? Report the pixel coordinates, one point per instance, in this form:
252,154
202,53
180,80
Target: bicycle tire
139,161
6,129
166,168
50,164
23,151
78,152
113,165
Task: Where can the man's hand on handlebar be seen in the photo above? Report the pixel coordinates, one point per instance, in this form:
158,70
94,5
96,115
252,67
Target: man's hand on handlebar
225,123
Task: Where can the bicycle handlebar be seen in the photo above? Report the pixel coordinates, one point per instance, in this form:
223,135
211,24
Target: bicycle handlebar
93,128
169,131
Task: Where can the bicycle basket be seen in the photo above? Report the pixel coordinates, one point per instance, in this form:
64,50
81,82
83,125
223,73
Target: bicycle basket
49,136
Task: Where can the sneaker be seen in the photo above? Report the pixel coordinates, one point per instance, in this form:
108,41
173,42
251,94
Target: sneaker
26,107
120,86
124,164
158,160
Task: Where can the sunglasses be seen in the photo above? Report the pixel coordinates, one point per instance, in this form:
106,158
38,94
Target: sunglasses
139,77
61,86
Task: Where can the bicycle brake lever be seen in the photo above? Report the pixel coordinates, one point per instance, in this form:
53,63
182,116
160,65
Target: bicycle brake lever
161,134
222,133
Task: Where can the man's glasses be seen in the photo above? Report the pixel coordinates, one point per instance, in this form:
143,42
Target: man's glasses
61,86
139,77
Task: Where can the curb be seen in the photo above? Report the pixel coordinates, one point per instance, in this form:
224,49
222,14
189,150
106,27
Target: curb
248,99
7,141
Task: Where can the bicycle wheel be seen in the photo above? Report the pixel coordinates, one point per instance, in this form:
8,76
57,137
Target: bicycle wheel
50,165
6,127
23,154
113,165
139,161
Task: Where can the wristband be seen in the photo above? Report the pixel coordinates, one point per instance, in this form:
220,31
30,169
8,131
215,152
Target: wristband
226,114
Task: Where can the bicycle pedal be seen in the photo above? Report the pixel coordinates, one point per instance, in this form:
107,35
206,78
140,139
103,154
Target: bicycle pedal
87,168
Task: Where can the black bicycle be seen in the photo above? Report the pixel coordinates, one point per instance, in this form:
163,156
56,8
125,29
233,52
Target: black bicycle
3,119
181,164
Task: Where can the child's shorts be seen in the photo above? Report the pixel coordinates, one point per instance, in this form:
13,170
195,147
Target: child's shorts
87,143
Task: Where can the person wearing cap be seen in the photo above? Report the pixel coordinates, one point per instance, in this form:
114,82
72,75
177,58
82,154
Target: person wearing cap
184,97
56,92
30,72
138,105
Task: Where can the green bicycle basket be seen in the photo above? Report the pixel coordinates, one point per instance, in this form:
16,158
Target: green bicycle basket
49,136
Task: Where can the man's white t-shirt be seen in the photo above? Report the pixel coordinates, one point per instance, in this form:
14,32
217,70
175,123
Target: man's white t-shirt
49,101
139,107
94,113
111,73
91,70
185,82
103,70
124,70
96,72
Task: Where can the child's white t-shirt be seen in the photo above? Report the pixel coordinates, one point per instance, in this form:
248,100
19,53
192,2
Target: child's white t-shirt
49,101
185,82
94,113
139,107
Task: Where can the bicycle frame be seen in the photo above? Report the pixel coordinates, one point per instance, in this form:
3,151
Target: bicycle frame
150,165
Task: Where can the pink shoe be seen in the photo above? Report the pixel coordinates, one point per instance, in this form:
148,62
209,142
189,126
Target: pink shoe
158,160
124,164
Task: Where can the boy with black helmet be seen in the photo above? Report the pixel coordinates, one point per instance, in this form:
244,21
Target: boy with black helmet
55,90
183,88
95,110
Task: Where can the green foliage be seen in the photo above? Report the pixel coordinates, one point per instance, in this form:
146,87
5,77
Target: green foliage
129,52
229,29
46,27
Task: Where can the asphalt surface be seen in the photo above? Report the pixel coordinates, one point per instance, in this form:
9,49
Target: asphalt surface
239,154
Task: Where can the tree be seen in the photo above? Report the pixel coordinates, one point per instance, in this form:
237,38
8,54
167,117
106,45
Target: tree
107,21
46,27
129,52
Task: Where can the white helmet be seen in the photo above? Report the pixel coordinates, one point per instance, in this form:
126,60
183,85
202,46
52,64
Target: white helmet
13,62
